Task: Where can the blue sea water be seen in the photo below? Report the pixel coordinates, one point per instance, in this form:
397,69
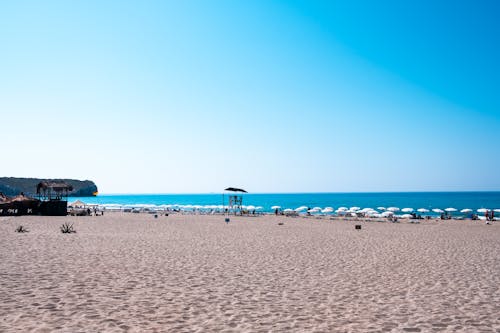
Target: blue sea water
429,200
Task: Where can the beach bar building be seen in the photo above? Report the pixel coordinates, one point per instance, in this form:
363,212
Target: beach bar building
18,205
53,198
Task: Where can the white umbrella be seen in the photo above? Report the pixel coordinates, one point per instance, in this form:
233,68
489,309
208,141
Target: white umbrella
275,207
422,210
341,209
466,210
301,208
407,210
406,216
327,210
393,209
437,210
288,210
77,204
386,214
496,210
381,208
354,209
259,208
482,210
450,210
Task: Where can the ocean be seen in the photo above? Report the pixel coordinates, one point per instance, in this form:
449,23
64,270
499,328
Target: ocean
415,200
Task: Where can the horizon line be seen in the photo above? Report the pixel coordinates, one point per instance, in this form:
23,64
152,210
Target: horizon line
322,192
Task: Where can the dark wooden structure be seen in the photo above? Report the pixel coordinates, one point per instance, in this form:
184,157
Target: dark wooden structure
18,205
53,198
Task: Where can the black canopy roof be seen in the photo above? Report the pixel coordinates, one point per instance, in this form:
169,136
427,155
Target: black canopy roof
234,189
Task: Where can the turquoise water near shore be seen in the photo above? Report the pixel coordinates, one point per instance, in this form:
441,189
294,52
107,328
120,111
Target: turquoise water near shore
429,200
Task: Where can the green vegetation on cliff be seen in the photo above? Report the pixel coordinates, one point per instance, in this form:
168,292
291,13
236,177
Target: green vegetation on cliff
14,186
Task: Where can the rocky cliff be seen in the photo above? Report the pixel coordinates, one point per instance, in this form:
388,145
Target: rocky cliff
14,186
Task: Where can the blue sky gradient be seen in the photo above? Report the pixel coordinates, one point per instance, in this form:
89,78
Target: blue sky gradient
272,96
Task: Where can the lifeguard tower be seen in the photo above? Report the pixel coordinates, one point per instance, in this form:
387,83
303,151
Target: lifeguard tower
53,197
235,199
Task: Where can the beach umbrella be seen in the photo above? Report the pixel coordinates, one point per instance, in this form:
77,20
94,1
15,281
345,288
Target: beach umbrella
342,209
381,208
275,207
406,216
314,210
393,209
422,210
77,203
387,213
466,210
288,210
259,208
450,210
407,210
496,210
482,210
354,209
250,207
327,210
437,210
301,208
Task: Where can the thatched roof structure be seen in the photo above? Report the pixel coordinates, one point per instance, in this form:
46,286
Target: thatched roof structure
4,198
21,197
57,187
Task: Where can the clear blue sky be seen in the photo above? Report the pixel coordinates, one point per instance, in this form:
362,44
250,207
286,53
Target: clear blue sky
271,96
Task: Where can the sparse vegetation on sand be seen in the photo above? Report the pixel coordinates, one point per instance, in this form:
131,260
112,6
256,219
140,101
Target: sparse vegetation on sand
67,228
21,229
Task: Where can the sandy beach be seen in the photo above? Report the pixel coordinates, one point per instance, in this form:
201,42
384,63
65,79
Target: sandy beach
125,272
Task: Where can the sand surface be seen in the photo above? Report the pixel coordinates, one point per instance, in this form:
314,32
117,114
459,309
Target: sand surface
125,272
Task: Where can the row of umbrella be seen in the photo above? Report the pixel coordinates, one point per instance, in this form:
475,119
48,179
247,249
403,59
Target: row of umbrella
385,210
315,210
